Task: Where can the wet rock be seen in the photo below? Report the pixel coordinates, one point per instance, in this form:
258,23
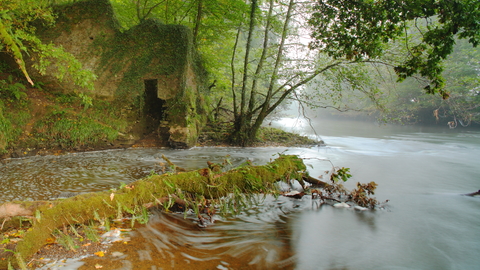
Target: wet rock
341,205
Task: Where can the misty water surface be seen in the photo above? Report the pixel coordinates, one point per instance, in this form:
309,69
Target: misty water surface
427,223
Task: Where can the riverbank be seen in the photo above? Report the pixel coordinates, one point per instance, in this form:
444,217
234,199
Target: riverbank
211,136
217,135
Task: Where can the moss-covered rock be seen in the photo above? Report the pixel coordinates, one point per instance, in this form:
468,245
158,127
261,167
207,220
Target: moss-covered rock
126,61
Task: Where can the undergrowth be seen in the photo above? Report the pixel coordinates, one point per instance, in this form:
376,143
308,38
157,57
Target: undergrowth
35,118
69,129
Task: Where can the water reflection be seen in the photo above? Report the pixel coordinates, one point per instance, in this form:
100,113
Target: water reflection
281,233
428,224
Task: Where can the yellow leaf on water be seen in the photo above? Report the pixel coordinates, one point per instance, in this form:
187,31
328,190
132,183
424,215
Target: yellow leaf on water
99,253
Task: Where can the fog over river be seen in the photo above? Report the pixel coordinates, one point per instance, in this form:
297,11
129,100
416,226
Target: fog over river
423,172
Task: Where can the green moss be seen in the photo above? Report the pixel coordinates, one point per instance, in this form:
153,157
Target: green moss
123,59
149,50
275,135
153,50
69,14
193,186
13,119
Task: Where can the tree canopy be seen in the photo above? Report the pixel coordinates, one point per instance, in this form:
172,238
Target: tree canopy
360,29
18,38
15,17
263,53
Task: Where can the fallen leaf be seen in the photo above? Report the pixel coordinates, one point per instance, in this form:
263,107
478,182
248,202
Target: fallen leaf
98,266
99,253
111,196
50,240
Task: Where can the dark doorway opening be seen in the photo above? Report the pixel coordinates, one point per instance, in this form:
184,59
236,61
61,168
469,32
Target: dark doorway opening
156,128
154,106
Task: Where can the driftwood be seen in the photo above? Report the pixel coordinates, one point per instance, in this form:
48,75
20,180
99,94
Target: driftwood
155,190
314,181
476,193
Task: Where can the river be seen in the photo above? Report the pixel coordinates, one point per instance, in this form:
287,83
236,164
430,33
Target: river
423,172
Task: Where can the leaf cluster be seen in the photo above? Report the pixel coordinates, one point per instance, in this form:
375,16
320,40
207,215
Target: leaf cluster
361,194
340,174
18,21
337,192
361,29
15,24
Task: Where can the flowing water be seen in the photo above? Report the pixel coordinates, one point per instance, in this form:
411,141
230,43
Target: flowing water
427,223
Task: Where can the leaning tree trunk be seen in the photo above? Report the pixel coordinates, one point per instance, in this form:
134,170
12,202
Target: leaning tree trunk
208,183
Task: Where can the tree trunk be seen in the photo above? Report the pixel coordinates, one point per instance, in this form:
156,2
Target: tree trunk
198,20
206,183
249,120
244,134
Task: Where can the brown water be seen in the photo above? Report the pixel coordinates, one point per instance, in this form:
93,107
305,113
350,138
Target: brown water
427,224
256,239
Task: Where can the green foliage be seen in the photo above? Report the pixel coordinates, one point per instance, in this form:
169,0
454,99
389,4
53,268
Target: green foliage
62,126
340,174
10,89
65,240
86,100
278,136
18,37
216,17
407,103
90,232
63,65
14,27
5,130
14,112
360,30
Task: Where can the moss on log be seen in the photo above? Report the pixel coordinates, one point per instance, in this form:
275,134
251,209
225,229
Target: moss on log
153,190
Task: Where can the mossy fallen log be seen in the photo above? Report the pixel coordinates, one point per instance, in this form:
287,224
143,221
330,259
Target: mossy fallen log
188,187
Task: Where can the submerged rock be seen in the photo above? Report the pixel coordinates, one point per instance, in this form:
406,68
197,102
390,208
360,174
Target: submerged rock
342,204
